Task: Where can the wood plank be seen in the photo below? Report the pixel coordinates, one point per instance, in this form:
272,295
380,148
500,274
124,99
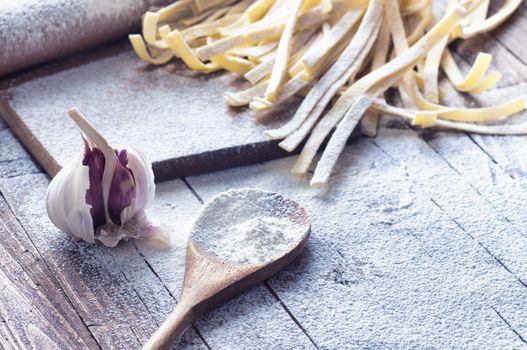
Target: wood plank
98,281
10,147
253,320
509,305
7,339
513,34
385,267
123,297
14,160
34,310
453,193
163,110
18,167
503,191
167,269
505,151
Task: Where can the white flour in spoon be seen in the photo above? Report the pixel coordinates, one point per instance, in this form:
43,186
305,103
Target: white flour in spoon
245,227
256,240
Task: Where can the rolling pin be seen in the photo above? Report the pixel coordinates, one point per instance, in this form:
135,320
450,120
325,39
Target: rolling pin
38,31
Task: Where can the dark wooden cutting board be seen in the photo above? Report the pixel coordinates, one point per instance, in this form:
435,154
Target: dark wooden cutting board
178,117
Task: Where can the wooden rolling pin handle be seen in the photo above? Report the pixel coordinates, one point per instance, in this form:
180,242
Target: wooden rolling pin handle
172,328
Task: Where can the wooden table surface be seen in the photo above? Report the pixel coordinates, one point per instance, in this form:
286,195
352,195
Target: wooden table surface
419,243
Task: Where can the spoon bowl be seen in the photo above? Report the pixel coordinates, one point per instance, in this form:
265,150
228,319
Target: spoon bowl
214,272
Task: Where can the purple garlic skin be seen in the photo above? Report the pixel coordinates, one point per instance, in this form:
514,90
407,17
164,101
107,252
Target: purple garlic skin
132,186
94,160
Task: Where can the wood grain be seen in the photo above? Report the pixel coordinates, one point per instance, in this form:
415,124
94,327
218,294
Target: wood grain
236,324
384,258
513,34
14,160
101,284
35,311
209,281
448,269
123,293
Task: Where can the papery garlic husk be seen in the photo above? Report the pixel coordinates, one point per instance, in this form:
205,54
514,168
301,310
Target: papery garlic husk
102,193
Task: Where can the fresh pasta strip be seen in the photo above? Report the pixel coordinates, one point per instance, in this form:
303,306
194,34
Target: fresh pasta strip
258,9
225,44
243,24
296,84
215,15
233,64
479,13
420,80
426,19
283,52
264,69
297,66
254,52
177,10
338,140
329,121
475,76
411,56
187,22
290,88
481,114
239,8
490,23
204,5
177,43
260,71
400,42
467,114
259,34
487,83
431,70
411,116
414,7
335,35
140,49
207,28
370,120
244,97
150,30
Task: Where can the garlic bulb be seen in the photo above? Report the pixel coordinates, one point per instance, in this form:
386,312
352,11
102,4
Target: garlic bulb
102,193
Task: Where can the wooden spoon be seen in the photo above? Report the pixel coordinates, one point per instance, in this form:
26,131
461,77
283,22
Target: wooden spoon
210,280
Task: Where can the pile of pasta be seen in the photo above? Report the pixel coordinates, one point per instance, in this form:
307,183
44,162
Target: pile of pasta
340,56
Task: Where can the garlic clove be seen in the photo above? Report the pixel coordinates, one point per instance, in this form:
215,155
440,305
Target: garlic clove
65,201
145,187
122,189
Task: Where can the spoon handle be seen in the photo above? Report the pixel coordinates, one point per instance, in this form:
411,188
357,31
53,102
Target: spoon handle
166,335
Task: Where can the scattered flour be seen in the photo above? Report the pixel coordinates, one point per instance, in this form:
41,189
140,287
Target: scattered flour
249,226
